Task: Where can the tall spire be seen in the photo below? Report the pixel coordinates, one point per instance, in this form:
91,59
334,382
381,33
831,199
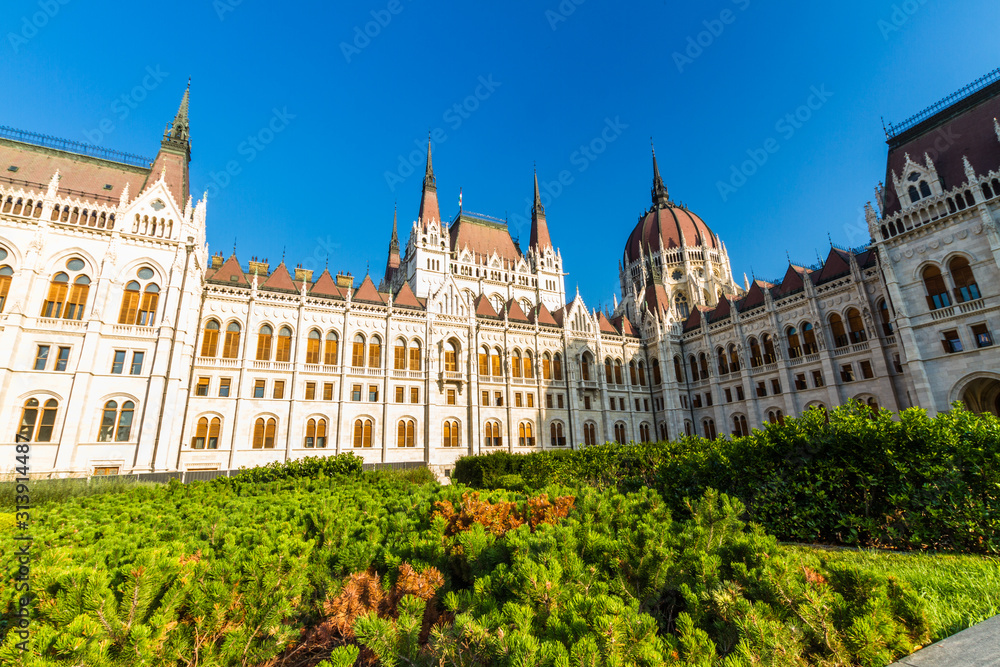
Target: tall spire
175,154
540,238
392,263
660,195
429,209
394,241
179,132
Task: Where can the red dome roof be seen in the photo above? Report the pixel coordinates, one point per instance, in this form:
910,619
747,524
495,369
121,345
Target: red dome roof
667,223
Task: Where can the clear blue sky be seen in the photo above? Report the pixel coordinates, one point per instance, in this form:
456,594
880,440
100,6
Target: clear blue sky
559,73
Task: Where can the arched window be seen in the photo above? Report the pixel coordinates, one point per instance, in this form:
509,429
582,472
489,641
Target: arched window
451,356
885,318
516,364
657,378
966,288
740,427
937,293
546,366
55,301
116,425
406,433
330,350
210,339
5,278
484,361
206,434
589,434
693,365
809,345
558,439
703,365
794,344
734,359
315,434
493,437
914,195
708,428
231,346
856,326
664,433
496,360
775,417
529,366
33,428
756,359
644,432
642,374
375,352
837,329
633,378
723,363
678,369
138,302
557,372
358,353
264,337
284,351
585,363
312,347
681,307
362,433
399,355
451,434
618,373
608,373
620,434
525,434
925,189
768,343
66,301
263,433
130,303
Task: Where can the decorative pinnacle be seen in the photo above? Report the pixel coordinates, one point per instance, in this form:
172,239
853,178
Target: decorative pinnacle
660,194
394,242
537,207
429,180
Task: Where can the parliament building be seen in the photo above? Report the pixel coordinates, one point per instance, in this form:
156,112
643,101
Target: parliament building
128,347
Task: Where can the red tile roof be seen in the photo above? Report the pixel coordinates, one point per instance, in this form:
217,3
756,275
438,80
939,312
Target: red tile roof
605,326
543,316
367,292
667,224
279,279
837,264
326,286
483,237
515,312
406,298
483,307
791,283
559,316
231,273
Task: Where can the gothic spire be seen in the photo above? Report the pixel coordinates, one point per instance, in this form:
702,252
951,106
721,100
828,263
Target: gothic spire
394,241
429,210
175,154
429,180
660,195
540,238
392,262
179,132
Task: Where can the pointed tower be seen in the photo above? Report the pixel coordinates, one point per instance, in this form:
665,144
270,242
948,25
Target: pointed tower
392,263
175,154
661,197
540,239
429,210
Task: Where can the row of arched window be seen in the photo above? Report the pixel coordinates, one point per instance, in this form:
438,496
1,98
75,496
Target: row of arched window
951,204
522,364
31,208
963,284
614,372
38,421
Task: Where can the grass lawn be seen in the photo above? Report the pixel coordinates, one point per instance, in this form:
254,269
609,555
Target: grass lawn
960,591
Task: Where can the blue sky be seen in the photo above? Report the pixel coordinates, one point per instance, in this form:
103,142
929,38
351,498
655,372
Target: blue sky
577,86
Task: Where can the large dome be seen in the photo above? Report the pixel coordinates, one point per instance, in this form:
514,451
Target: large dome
668,222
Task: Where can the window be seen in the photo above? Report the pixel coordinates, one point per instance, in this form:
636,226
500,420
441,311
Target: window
518,400
358,352
729,395
585,367
310,391
632,377
375,352
525,435
118,364
373,393
224,385
856,326
618,373
809,345
452,398
885,318
761,390
951,342
546,366
67,297
620,435
740,426
356,392
739,392
451,357
136,368
756,359
414,394
498,399
363,433
327,391
794,344
838,331
800,382
586,402
557,373
139,303
775,386
966,288
41,357
201,389
775,417
116,425
284,352
621,404
559,401
644,433
399,355
491,435
263,433
264,338
231,346
258,388
400,394
206,434
611,401
589,434
63,359
937,293
315,434
557,437
982,335
405,433
496,362
817,379
5,277
696,401
866,370
529,366
210,339
708,399
330,349
484,362
279,389
106,471
548,401
33,428
450,435
530,398
312,347
847,373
